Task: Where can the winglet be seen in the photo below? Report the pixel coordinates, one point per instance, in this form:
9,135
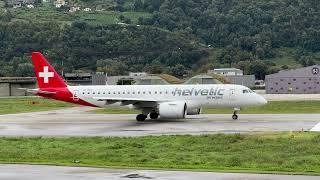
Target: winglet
46,75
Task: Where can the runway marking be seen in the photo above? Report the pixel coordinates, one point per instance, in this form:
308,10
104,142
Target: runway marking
316,128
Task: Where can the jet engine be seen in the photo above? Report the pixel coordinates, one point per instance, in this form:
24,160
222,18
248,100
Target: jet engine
194,111
172,110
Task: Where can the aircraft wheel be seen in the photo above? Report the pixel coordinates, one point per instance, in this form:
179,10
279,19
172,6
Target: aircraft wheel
234,117
141,117
154,115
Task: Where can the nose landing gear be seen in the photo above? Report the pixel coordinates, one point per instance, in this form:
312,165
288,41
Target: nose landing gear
235,116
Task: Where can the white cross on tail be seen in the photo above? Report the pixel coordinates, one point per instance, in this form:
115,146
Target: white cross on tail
46,74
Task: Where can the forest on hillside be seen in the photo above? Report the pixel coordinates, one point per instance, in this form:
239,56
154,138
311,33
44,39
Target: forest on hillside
178,37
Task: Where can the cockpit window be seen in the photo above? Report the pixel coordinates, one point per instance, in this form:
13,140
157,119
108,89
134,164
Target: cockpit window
245,91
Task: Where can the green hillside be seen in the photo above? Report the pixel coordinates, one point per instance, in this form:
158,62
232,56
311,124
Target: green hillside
163,36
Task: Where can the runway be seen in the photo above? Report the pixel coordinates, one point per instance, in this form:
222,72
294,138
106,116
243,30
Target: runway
31,172
78,121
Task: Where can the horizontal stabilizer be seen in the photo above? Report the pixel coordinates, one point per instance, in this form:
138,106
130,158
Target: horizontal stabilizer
37,91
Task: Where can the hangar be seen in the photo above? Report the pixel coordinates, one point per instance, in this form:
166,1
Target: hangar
297,81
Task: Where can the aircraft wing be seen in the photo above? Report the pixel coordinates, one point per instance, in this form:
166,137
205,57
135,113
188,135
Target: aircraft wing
127,101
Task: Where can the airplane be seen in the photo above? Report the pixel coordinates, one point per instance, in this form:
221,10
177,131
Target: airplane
155,101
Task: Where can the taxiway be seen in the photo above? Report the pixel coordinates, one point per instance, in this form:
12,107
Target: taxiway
31,172
78,121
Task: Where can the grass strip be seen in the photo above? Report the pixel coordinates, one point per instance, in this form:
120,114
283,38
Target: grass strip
29,104
271,153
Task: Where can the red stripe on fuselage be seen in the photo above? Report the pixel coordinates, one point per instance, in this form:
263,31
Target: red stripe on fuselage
63,94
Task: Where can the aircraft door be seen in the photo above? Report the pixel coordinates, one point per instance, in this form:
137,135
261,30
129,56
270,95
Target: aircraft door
232,94
75,96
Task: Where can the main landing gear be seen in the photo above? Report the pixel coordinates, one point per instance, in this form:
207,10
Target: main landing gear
235,116
141,117
154,115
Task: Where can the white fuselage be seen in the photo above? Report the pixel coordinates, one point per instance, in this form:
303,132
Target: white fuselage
196,96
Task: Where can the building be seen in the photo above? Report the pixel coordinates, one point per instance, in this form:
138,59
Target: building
137,74
74,9
203,79
98,78
235,76
30,6
87,9
140,78
245,80
297,81
151,80
59,3
11,86
226,72
15,86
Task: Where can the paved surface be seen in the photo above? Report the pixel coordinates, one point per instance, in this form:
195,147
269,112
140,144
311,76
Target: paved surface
35,172
291,97
78,122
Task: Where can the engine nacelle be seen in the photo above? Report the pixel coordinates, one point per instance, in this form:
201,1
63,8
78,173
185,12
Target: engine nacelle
194,111
172,110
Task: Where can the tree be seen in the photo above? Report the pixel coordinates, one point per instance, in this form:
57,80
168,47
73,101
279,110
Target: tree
178,70
24,70
138,5
258,68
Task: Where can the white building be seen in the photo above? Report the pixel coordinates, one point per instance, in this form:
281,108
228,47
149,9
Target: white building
87,9
227,72
59,3
30,6
74,9
137,74
235,76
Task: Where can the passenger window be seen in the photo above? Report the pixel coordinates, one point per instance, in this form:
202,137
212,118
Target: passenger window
245,91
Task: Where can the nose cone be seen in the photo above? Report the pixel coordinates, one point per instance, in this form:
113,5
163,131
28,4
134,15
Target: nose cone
262,100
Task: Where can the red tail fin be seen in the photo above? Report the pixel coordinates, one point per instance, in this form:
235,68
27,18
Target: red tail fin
47,77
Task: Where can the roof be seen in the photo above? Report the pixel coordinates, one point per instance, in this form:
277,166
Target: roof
202,79
309,71
227,69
